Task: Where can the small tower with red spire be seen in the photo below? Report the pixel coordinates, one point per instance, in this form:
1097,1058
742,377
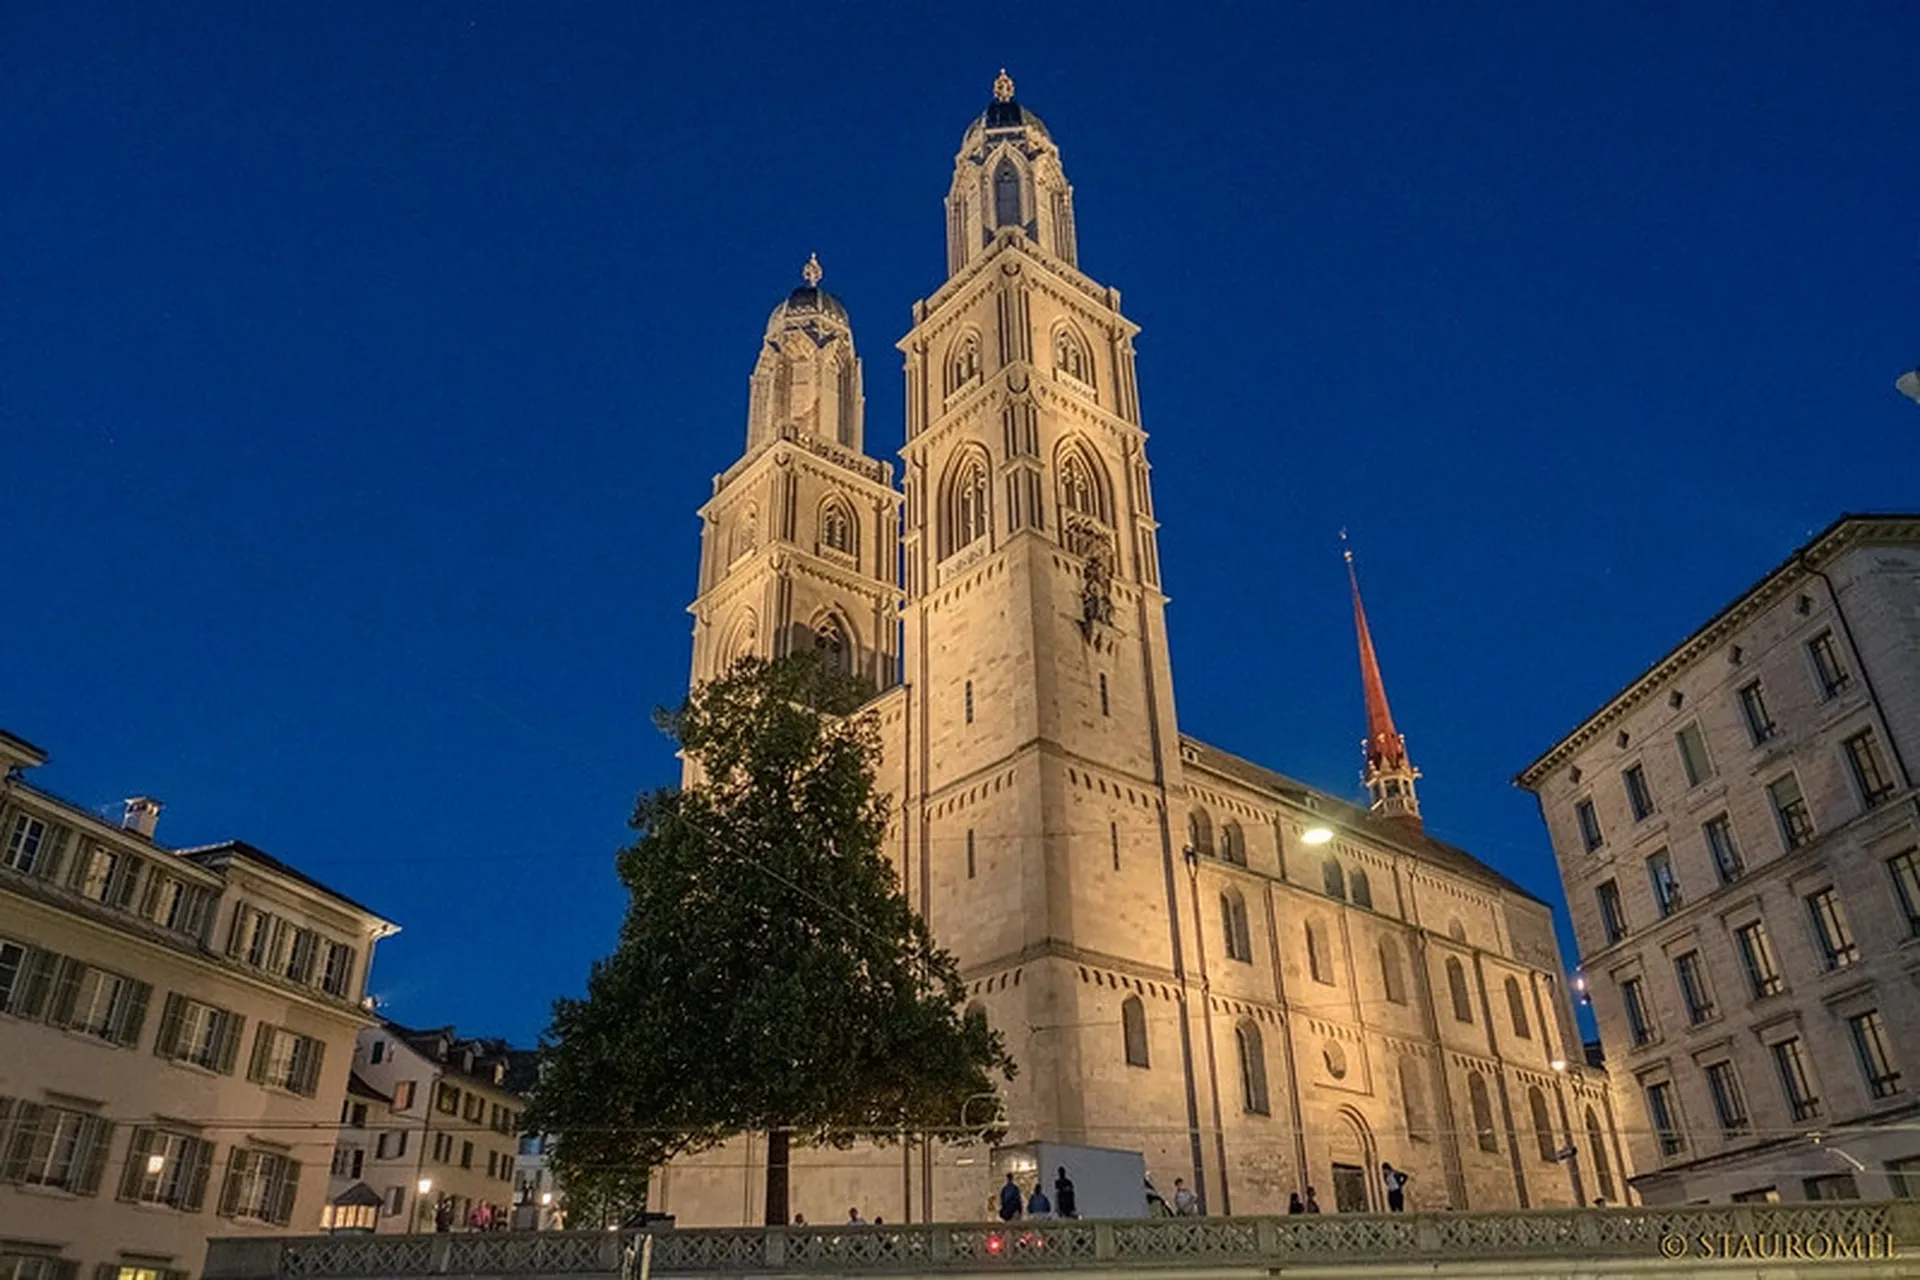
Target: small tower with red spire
1389,775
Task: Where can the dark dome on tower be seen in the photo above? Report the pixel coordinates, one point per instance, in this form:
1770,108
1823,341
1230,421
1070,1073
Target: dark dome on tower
809,300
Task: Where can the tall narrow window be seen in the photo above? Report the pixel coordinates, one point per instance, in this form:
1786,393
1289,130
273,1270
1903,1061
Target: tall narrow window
1457,990
830,639
1233,927
1253,1069
1200,832
1727,861
1694,760
1870,1045
1729,1106
1692,976
1613,918
1006,196
1796,1079
1362,889
1482,1107
1517,1010
1905,870
1790,811
1544,1140
970,863
969,701
1869,770
1665,1114
1639,796
1106,708
1319,955
1413,1100
836,528
1590,834
1392,977
1113,837
1829,670
1830,929
1133,1024
1597,1144
1233,843
1633,998
1666,886
1756,956
1753,710
1333,878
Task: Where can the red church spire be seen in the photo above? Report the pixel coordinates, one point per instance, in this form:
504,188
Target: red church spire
1389,775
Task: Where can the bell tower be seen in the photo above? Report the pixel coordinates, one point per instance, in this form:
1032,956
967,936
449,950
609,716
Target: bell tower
1040,699
799,539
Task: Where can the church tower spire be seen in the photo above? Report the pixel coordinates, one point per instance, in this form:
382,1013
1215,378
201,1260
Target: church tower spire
1389,774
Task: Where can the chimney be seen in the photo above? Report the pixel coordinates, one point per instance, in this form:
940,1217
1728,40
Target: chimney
141,816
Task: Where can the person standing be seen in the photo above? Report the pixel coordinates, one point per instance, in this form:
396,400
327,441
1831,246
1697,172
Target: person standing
1293,1203
854,1219
1038,1206
1009,1200
1313,1203
1185,1203
1396,1184
1064,1202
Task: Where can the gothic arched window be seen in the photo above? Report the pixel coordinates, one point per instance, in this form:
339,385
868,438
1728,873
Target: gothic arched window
1517,1010
1253,1068
1596,1143
1200,832
1333,878
1482,1108
1006,196
1457,989
1233,926
1362,890
1542,1125
1319,954
1080,489
830,638
1391,975
837,528
1133,1026
1233,843
1413,1100
745,534
966,514
1071,357
963,361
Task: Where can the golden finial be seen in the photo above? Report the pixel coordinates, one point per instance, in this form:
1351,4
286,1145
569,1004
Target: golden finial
811,273
1003,87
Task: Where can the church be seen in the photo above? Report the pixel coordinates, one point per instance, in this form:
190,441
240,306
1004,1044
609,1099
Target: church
1258,985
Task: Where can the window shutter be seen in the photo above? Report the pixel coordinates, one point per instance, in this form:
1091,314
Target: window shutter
26,1125
126,882
286,1192
230,1187
262,1047
139,1147
200,1155
39,981
229,1046
132,1012
237,936
166,1044
55,853
95,1139
311,1053
66,989
402,1149
150,897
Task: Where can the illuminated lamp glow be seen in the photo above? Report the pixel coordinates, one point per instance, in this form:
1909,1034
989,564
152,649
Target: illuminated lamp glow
1316,835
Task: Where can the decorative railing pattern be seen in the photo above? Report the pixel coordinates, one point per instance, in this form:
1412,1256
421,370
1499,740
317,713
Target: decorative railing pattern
1835,1230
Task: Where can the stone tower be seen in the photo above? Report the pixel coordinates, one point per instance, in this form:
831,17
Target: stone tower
1389,775
799,540
1040,704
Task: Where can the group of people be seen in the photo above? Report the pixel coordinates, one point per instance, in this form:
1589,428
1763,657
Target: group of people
1392,1180
1014,1205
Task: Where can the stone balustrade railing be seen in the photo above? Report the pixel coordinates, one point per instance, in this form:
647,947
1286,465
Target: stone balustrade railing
1813,1232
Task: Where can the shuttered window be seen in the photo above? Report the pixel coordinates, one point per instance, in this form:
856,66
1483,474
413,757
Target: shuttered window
202,1034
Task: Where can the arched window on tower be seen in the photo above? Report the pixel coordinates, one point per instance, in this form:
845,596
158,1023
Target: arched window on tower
1597,1144
1413,1100
1392,977
830,638
1080,491
1362,889
745,534
1233,927
837,528
1233,843
1457,989
1133,1026
1200,832
1517,1010
966,505
1333,878
1006,196
963,361
1319,953
1253,1068
1482,1107
1542,1125
1071,357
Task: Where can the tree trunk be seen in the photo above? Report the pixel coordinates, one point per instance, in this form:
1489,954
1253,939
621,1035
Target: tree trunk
777,1208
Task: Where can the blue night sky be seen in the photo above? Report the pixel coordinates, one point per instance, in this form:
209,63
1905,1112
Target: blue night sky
362,365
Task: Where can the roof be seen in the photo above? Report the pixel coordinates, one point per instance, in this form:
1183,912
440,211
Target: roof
1011,115
809,300
359,1196
1823,546
17,745
357,1087
1395,835
211,854
488,1053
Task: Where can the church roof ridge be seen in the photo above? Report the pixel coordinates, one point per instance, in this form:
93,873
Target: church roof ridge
1398,835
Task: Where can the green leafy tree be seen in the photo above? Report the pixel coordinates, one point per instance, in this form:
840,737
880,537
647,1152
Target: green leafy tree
770,974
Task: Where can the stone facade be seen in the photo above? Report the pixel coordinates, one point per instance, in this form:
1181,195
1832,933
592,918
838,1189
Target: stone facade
176,1028
1173,969
1738,833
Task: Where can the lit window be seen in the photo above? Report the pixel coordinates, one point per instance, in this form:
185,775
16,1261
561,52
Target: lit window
1870,1045
1756,955
1869,771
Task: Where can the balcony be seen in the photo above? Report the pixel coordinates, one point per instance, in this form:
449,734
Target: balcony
1541,1242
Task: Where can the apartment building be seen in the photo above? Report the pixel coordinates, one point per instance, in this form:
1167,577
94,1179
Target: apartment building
1739,835
432,1125
176,1028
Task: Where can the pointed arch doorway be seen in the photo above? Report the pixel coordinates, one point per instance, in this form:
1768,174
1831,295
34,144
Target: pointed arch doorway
1351,1154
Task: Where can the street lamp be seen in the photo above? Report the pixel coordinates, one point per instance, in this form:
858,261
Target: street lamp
421,1209
1316,835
